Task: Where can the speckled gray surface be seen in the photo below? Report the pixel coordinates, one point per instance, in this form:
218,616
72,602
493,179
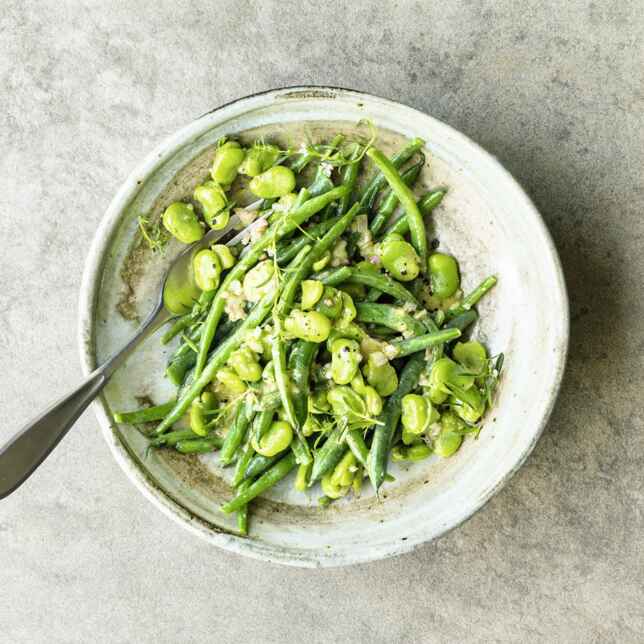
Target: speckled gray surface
556,92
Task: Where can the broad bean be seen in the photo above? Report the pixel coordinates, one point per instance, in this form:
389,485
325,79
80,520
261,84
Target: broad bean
380,374
312,291
212,199
444,277
400,259
345,359
207,269
181,221
308,325
275,182
226,162
278,437
258,159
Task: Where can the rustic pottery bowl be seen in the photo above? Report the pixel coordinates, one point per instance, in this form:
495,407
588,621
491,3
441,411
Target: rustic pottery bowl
486,220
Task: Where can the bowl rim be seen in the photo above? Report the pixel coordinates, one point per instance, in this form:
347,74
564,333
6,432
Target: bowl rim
90,286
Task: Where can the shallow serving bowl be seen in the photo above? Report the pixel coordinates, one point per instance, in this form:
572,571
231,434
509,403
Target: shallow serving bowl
486,220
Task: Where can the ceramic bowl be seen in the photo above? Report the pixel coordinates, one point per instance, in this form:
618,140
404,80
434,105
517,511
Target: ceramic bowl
486,220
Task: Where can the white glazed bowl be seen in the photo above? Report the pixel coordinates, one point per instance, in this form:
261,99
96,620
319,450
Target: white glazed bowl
487,221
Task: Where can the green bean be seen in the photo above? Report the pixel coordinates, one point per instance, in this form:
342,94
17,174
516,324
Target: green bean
180,324
321,183
407,200
144,415
412,345
302,478
462,321
328,456
355,441
242,513
199,445
390,200
277,231
472,298
301,359
235,436
259,464
390,316
377,463
172,438
333,276
243,461
284,387
218,359
289,250
426,204
275,474
385,284
349,178
370,193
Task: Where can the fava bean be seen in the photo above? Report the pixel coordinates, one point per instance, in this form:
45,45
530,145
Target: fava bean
245,364
345,358
278,437
259,281
443,272
308,325
275,182
400,259
181,221
226,162
226,258
231,383
416,452
212,199
380,374
207,269
311,292
472,355
258,159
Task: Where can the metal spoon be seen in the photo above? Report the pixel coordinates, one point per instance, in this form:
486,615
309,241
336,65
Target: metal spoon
27,449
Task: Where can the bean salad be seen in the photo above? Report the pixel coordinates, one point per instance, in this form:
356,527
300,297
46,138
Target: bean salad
332,339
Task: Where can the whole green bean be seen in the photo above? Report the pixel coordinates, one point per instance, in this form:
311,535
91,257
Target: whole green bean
170,439
349,178
373,295
383,283
333,276
259,464
261,424
390,200
320,184
279,229
217,360
370,193
328,456
267,480
462,321
472,298
242,513
378,454
300,361
426,204
408,201
242,462
413,345
199,445
145,415
355,441
289,250
390,316
237,433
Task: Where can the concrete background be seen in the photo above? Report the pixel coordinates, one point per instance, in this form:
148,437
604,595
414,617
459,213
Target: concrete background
553,89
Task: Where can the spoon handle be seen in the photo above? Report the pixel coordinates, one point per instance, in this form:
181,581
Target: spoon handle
27,449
